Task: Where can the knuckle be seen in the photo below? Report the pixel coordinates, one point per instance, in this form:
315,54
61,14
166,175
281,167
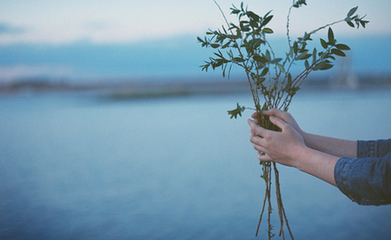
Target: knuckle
267,136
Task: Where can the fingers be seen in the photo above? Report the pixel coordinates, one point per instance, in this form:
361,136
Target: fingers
263,157
278,122
255,117
256,138
272,112
255,129
275,112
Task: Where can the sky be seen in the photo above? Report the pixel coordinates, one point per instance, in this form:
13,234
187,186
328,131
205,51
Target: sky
36,37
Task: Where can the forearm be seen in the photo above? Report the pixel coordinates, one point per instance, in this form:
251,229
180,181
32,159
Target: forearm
317,164
333,146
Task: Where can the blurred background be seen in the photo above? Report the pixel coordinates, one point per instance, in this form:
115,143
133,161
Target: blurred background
109,128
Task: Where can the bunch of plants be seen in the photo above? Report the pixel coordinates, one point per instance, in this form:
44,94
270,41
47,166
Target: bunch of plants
245,44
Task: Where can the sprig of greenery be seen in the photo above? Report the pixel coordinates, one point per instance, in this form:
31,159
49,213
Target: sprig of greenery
245,44
237,111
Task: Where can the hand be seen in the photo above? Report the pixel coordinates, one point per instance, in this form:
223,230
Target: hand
285,116
332,146
288,148
284,147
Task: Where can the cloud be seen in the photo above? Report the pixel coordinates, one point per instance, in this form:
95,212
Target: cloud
123,21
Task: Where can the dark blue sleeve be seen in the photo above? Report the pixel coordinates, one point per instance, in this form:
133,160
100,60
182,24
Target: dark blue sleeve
366,181
378,148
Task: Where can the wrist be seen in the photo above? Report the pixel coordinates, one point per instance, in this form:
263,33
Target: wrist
305,136
301,158
318,164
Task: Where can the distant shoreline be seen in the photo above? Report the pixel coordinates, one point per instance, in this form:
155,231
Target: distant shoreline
158,89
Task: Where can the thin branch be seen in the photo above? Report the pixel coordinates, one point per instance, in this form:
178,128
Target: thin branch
325,26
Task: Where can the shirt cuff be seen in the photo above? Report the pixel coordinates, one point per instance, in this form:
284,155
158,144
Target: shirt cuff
341,175
366,149
365,181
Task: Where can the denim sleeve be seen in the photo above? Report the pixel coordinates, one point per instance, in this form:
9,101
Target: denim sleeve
366,181
378,148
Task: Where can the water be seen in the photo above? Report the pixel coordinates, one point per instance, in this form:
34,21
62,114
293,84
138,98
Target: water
82,167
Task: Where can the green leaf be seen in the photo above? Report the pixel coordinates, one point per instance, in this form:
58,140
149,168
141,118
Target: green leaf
264,72
299,3
218,63
238,59
226,45
290,54
255,43
363,23
260,81
215,45
323,43
306,64
264,107
267,30
327,66
294,90
260,59
341,46
352,11
314,53
266,20
253,16
331,37
295,47
307,36
303,47
234,10
319,65
338,52
237,111
303,56
267,14
244,27
276,60
282,69
350,23
267,56
289,78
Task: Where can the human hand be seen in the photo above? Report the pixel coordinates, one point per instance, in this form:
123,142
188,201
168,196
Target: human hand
285,116
284,147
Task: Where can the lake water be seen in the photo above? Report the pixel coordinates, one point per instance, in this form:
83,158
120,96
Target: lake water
84,167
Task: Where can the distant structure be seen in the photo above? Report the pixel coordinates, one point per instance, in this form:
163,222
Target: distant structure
345,78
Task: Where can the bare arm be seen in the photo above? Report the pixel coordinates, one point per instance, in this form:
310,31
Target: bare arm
318,164
332,146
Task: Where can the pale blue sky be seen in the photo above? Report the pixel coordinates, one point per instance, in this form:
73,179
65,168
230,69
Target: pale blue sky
113,21
92,39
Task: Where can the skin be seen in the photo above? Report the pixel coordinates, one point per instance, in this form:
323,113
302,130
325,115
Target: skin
312,154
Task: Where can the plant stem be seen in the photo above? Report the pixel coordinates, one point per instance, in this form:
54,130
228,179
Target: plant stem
260,216
281,209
